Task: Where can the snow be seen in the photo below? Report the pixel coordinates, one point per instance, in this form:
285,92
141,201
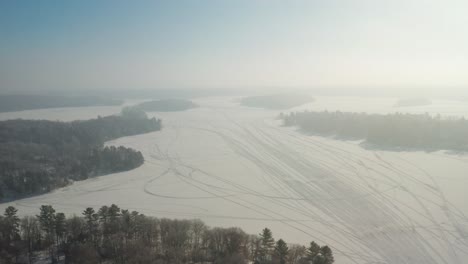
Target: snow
236,166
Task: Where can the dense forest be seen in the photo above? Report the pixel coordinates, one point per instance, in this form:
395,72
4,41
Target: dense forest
37,156
278,101
168,105
407,131
9,103
114,235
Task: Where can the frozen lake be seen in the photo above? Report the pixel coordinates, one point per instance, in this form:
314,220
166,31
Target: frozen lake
236,166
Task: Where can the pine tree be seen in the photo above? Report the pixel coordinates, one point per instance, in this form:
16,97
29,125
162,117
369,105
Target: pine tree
267,245
92,224
47,222
313,251
60,226
103,214
47,219
90,217
113,214
281,251
12,222
9,232
327,254
319,255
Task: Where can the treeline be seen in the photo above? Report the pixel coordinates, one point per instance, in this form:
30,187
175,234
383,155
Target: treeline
37,156
113,235
413,102
277,101
167,105
10,103
414,131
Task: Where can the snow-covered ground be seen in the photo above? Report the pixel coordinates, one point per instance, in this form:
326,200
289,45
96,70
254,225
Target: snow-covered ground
236,166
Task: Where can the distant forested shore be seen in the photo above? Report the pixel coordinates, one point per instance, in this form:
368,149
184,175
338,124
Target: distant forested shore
114,235
277,101
10,103
394,131
37,156
413,102
167,105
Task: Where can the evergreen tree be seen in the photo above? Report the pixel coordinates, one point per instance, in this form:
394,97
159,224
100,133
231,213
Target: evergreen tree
60,227
267,244
9,233
319,255
281,251
313,251
327,254
92,223
12,223
103,214
113,214
47,221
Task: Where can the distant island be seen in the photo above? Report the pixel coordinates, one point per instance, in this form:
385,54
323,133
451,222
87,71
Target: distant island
167,105
37,156
277,101
11,103
413,102
392,131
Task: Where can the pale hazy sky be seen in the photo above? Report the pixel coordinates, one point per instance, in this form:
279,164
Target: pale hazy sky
162,44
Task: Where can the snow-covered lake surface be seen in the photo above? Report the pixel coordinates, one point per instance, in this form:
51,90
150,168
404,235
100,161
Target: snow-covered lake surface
236,166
